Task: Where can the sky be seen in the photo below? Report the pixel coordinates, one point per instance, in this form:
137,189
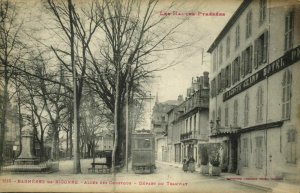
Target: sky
198,31
202,30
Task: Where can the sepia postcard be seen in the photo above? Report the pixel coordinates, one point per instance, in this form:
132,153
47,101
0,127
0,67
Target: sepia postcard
150,96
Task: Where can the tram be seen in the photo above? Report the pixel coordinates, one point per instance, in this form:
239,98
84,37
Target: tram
143,153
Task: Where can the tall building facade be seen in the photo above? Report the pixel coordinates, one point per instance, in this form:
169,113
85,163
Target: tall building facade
188,123
255,95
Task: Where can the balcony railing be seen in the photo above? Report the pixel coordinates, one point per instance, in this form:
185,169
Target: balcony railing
193,135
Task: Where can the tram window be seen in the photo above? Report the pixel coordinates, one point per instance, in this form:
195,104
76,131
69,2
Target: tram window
143,143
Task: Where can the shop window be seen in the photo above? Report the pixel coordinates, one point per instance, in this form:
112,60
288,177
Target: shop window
245,152
246,110
259,152
291,146
226,115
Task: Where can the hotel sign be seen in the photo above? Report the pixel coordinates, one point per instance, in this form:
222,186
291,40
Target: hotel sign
286,60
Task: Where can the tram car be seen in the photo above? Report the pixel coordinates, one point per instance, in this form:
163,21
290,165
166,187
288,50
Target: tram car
143,153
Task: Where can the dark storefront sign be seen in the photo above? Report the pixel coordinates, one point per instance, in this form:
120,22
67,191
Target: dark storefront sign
286,60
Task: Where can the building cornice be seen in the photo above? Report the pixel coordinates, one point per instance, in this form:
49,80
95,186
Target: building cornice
229,24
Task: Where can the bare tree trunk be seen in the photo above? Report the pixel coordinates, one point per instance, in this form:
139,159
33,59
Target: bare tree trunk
116,118
3,121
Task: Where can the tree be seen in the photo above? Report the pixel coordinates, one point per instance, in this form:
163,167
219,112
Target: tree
133,37
10,55
78,36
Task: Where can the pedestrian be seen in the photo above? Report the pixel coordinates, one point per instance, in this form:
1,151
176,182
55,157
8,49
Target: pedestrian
191,164
185,165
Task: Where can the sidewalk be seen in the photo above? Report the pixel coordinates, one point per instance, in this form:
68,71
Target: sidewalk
265,184
176,165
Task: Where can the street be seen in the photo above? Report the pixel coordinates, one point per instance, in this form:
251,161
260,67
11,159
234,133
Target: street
166,178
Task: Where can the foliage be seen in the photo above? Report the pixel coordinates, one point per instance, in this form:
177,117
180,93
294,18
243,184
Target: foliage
214,154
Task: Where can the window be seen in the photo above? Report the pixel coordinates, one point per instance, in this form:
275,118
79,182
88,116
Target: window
291,146
289,28
191,121
195,123
236,70
286,94
215,60
226,115
213,116
186,125
228,47
245,152
219,82
262,10
261,49
228,76
213,88
246,110
259,152
220,55
246,63
219,115
235,113
259,105
248,24
237,36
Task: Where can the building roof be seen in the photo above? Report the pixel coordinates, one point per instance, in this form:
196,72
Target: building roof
229,24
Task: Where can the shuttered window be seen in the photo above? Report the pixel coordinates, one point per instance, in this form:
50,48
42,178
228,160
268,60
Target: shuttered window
249,24
286,95
289,31
259,105
261,50
235,113
246,110
259,152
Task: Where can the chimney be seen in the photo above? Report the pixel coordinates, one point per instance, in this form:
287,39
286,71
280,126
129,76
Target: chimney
180,98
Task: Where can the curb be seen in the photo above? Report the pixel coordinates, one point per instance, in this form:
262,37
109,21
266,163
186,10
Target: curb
264,188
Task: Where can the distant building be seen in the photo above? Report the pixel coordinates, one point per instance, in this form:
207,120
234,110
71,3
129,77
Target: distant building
188,123
159,126
105,141
255,95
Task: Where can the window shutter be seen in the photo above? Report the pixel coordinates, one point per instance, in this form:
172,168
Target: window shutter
238,69
223,78
255,54
250,59
243,64
265,48
250,23
229,75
